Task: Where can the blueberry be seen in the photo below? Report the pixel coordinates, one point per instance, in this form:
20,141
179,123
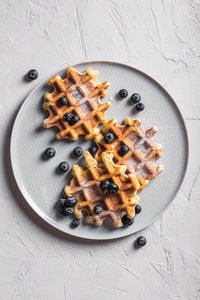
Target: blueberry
74,119
136,98
140,106
67,117
104,184
71,201
64,166
50,152
63,100
33,74
113,188
126,221
61,203
123,93
68,210
78,151
98,209
138,209
93,150
141,241
75,223
109,137
124,149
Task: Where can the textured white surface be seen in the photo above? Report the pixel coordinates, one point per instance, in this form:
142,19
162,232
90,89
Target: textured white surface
163,39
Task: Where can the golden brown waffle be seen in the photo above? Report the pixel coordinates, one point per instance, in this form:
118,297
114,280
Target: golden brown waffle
85,186
83,91
143,150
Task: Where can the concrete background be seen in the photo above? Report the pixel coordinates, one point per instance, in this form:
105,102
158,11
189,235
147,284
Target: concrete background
161,38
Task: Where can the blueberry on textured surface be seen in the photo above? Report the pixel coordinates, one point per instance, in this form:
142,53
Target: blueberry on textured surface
68,210
64,166
140,106
126,221
113,188
138,209
93,150
33,74
74,119
98,209
67,117
71,201
141,241
109,137
104,184
78,151
75,223
123,93
136,98
50,152
124,149
63,100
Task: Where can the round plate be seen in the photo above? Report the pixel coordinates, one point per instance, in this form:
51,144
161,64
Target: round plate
41,184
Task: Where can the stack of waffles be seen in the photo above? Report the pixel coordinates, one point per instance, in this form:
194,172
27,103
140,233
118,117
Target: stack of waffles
131,171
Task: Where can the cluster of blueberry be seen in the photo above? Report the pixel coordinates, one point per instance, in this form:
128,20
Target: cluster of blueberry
71,119
136,98
113,188
63,166
108,186
65,207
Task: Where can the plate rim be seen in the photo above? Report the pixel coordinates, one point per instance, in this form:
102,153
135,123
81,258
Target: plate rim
31,203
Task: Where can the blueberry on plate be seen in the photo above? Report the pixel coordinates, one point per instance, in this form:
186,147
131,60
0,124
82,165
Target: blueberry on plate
68,210
126,221
61,203
140,106
141,241
138,209
123,93
75,223
93,149
113,188
64,166
67,117
124,149
63,100
78,151
74,119
98,209
104,184
32,74
109,137
136,98
50,152
71,201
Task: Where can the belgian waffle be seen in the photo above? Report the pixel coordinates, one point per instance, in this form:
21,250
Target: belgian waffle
83,92
143,150
85,186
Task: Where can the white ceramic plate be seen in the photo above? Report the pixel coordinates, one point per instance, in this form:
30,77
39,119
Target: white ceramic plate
38,179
